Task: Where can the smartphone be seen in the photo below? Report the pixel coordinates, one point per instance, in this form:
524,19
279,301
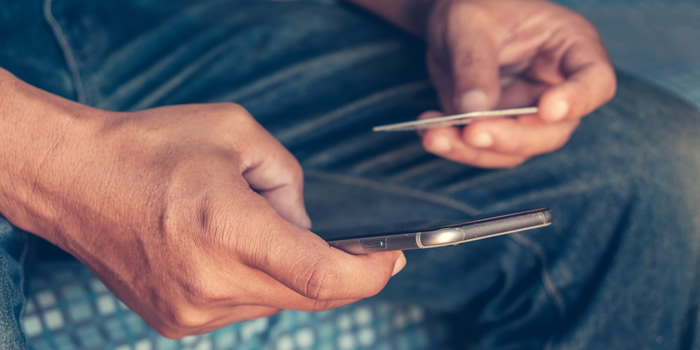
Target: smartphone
434,233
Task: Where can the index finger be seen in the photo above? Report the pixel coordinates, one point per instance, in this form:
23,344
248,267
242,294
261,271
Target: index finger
589,83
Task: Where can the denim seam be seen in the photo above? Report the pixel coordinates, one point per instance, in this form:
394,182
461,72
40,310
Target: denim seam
529,245
546,280
68,55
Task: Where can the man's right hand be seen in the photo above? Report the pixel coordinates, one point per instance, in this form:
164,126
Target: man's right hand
192,215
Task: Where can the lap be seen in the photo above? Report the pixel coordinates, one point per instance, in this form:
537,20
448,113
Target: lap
623,190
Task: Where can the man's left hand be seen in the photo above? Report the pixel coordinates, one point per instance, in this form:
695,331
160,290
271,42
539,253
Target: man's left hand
486,54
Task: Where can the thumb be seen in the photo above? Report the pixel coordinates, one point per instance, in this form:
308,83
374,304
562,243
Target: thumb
305,263
473,50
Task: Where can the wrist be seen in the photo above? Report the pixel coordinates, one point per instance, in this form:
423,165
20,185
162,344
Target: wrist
33,125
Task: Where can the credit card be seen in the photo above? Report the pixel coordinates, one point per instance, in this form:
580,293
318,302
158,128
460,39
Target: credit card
455,119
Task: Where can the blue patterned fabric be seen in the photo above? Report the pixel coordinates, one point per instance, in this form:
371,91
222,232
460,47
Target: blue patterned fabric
68,308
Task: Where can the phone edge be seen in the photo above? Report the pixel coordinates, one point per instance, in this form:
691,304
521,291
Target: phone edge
451,236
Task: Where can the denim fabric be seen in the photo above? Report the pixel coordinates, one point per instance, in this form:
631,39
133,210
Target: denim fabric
13,251
652,39
618,269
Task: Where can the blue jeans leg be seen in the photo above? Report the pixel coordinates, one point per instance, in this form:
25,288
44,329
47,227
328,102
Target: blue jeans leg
13,251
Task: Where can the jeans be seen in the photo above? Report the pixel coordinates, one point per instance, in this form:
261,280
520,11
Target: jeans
618,269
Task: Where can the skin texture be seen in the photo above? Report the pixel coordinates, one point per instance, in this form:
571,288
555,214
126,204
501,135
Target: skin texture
485,54
193,215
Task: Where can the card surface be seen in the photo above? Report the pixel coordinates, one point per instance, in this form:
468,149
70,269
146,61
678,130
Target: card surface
455,119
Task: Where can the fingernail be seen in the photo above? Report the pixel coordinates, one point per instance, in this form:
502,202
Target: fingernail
399,264
482,140
474,100
440,144
559,110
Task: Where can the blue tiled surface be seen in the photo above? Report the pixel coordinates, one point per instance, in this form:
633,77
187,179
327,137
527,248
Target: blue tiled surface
68,308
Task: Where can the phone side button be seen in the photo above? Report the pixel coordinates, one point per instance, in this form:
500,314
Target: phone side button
373,244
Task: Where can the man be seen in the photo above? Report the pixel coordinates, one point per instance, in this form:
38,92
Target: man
193,214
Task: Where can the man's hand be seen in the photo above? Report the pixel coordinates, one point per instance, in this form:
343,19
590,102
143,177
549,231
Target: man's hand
486,54
192,215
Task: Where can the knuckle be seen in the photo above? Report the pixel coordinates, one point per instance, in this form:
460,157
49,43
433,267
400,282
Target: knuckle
507,140
477,158
513,144
205,217
517,162
559,143
465,59
612,90
425,140
215,228
561,138
546,146
197,294
320,305
458,10
231,108
241,115
318,282
232,115
466,157
295,173
428,143
582,22
183,320
488,162
170,333
537,146
509,163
